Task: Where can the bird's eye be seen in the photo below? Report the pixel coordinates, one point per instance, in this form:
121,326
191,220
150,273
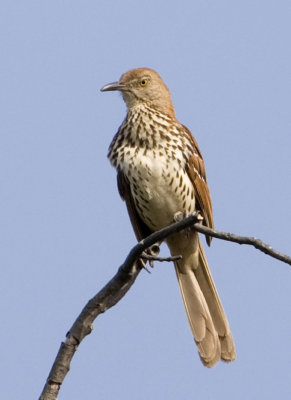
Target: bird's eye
143,82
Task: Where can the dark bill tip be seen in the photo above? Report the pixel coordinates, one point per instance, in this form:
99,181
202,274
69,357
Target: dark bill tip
112,86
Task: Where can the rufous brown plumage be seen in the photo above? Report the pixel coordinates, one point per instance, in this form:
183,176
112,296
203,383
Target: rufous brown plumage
161,174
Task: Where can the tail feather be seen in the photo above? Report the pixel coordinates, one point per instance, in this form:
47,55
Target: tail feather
199,318
205,313
206,283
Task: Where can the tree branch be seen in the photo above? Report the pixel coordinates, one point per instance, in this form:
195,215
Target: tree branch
149,257
252,241
118,286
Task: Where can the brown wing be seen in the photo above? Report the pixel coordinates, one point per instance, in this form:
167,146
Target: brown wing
141,230
197,174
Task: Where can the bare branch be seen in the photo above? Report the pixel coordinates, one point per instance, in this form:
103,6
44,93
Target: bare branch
252,241
160,259
118,286
111,293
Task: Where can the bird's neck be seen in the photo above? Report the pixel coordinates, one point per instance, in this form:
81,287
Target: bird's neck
148,112
164,109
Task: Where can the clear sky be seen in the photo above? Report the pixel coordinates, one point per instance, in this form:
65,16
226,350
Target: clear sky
64,230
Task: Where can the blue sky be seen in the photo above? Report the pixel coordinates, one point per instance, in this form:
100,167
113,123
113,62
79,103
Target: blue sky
64,230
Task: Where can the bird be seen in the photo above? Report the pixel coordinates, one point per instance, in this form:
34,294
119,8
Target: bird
161,176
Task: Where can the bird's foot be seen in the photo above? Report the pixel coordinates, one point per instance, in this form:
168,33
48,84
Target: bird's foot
179,216
151,254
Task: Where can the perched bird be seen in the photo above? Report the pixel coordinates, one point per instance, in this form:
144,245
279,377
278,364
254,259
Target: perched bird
161,174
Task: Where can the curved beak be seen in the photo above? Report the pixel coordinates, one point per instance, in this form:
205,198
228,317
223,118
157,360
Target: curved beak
113,86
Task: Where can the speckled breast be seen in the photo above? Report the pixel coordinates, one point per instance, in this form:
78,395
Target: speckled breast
151,152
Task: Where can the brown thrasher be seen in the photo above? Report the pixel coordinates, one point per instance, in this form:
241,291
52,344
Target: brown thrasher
161,174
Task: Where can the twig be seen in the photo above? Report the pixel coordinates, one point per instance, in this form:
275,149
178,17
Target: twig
160,259
118,286
252,241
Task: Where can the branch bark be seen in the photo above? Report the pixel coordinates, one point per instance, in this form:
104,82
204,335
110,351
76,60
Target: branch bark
118,286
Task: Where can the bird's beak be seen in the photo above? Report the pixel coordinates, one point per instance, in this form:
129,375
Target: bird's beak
113,86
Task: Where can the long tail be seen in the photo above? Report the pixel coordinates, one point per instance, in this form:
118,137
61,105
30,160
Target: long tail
204,310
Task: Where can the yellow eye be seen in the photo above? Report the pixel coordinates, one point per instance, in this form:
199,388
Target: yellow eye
143,82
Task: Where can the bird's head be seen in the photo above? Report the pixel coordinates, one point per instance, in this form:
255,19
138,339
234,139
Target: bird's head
143,85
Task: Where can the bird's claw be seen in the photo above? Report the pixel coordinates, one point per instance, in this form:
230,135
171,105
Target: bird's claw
179,216
154,251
